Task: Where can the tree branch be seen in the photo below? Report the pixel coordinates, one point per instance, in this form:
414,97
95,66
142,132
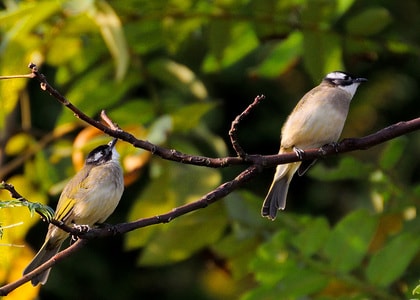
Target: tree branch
6,289
346,145
255,164
44,211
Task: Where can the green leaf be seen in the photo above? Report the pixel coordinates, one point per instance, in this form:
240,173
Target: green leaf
91,97
393,152
229,43
281,274
312,237
282,57
391,261
173,186
113,35
322,53
178,76
27,16
159,130
136,111
349,240
416,290
271,263
185,236
348,168
369,22
238,249
342,6
189,116
18,143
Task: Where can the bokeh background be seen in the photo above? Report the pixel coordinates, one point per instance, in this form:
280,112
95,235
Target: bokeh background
176,73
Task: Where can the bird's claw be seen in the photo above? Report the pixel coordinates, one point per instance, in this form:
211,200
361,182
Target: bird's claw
299,152
80,228
333,144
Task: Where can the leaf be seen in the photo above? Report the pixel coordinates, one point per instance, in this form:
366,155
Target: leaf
392,153
27,16
237,41
178,76
189,116
369,22
113,35
391,261
90,97
171,186
184,237
238,250
279,272
18,143
349,241
348,168
312,237
271,263
159,130
416,290
322,52
134,112
342,6
282,56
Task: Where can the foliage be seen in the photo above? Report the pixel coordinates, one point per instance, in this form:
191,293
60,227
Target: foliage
46,211
176,73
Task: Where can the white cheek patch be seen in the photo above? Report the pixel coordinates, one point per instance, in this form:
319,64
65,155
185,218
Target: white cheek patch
98,156
351,89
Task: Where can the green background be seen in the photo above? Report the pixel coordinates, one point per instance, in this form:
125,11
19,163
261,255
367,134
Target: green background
177,73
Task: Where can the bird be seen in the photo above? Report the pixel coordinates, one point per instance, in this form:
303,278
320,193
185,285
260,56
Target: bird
89,198
317,120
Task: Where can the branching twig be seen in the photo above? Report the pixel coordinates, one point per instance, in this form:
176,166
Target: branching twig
233,129
210,198
347,145
255,164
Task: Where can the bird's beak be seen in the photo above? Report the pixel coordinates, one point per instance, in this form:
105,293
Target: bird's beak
112,143
360,80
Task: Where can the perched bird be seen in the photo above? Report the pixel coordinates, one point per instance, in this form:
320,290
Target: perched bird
89,198
317,120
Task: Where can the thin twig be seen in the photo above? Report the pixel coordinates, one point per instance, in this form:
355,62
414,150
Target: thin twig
256,164
206,200
109,122
6,289
30,76
347,145
232,132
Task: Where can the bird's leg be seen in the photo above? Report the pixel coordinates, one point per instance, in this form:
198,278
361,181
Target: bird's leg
299,152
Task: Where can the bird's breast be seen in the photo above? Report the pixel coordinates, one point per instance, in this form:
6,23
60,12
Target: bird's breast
101,196
316,121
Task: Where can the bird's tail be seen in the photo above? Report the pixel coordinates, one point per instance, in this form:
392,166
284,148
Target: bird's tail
276,197
48,250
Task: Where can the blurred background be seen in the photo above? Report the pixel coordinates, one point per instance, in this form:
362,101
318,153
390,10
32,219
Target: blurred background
176,73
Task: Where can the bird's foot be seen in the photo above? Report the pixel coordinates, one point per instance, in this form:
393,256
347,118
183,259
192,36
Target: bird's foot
299,152
80,228
333,144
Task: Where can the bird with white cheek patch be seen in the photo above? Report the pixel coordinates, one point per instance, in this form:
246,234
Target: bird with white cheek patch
317,120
